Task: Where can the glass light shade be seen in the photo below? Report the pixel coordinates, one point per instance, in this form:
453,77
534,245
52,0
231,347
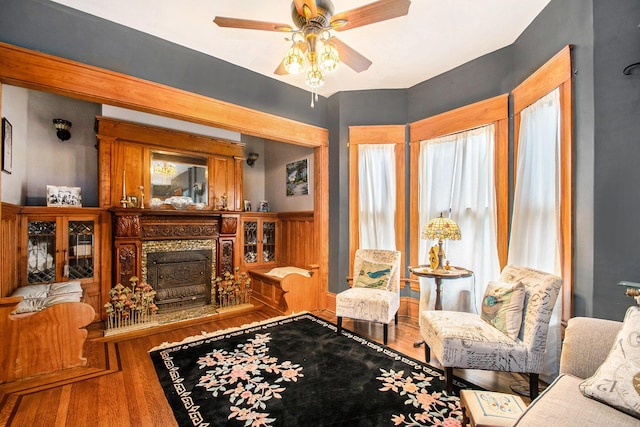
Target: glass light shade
164,168
314,77
441,228
328,57
294,61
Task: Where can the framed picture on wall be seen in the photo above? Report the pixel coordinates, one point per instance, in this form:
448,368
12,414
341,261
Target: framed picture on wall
7,146
298,178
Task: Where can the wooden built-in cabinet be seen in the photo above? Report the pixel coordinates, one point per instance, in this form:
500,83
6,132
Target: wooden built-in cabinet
258,240
64,244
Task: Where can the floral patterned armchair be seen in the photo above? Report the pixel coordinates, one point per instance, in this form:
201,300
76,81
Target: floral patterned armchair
375,293
475,341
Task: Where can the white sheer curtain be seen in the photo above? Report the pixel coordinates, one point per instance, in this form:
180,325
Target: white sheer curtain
377,202
535,226
456,177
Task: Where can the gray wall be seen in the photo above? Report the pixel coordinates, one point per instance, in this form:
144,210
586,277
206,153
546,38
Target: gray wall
616,42
605,39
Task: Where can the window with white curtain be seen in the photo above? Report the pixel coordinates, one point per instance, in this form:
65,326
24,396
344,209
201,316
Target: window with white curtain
377,196
456,177
535,226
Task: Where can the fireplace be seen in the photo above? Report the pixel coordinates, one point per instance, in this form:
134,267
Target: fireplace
180,271
179,253
182,279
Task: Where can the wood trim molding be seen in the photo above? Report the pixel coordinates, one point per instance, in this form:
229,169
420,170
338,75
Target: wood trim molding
381,134
466,117
552,74
39,71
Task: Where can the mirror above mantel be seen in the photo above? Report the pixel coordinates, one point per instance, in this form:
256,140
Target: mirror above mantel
175,174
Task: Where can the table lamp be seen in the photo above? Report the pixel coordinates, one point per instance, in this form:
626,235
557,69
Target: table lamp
440,228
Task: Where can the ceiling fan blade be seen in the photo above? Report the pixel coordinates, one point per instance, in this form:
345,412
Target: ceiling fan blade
248,24
306,8
354,60
370,13
280,71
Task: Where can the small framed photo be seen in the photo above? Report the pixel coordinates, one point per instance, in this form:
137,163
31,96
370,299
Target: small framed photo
247,205
7,146
64,196
264,206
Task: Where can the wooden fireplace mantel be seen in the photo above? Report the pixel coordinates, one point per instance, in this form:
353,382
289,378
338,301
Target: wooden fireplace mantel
132,227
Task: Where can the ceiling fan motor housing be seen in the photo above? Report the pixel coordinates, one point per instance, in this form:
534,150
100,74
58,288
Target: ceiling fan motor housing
322,18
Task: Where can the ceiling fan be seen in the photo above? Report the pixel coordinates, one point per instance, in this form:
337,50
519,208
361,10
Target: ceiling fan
314,49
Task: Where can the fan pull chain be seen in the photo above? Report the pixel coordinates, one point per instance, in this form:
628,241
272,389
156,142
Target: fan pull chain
314,94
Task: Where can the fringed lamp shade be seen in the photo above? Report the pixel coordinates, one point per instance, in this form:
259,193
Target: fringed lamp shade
441,228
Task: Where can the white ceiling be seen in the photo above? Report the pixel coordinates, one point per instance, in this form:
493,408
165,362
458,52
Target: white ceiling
436,35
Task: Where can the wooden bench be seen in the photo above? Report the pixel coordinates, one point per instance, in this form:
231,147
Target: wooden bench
45,341
290,294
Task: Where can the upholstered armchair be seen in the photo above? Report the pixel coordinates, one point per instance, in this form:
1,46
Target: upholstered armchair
498,339
375,292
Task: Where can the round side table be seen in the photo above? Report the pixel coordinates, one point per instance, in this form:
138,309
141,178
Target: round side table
438,275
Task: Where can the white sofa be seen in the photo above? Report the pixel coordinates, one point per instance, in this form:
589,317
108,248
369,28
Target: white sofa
586,346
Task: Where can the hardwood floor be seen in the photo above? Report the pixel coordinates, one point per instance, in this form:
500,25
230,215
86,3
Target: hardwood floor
119,386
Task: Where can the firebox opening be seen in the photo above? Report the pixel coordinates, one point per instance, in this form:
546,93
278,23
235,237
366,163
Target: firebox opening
182,279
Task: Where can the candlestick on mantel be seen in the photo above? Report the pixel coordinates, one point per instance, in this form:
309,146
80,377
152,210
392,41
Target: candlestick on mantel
124,184
123,201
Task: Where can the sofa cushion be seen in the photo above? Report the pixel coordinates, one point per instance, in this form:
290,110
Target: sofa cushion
65,288
32,291
562,404
617,381
282,272
502,306
373,275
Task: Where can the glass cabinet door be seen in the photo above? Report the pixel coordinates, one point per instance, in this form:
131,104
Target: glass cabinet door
80,262
41,251
268,241
250,250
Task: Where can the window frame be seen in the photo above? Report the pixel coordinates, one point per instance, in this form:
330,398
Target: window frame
555,73
377,134
490,111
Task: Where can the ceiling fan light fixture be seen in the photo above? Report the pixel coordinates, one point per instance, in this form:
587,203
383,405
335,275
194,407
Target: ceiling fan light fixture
328,57
314,77
294,61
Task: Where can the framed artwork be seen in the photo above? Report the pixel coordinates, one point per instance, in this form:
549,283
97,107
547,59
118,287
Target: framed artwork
298,178
264,206
247,205
7,146
64,196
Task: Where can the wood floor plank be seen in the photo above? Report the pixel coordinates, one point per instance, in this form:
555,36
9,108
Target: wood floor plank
120,387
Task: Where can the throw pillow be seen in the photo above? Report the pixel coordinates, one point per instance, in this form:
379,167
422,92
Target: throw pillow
502,306
373,275
617,381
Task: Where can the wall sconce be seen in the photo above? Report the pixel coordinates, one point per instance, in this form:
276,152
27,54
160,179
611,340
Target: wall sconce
252,158
62,127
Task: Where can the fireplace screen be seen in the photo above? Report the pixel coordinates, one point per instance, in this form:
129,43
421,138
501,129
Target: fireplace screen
182,279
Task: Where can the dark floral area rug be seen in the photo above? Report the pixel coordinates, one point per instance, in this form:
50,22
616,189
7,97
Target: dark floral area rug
296,371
